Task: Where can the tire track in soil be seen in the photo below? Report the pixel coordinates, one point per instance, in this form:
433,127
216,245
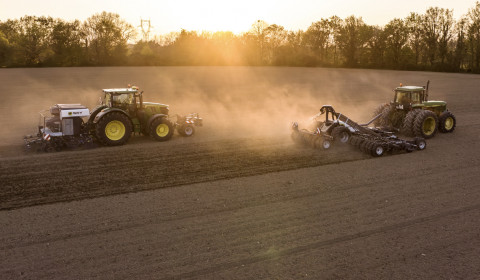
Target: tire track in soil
312,246
351,192
66,176
340,198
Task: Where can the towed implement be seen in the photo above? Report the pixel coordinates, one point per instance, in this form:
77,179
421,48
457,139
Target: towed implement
122,112
61,127
336,128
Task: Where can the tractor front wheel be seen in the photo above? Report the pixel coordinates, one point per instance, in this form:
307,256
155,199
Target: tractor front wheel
446,122
161,129
114,129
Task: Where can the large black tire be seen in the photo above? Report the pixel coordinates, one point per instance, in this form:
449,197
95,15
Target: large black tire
383,120
161,129
407,126
425,124
341,134
447,122
113,129
186,130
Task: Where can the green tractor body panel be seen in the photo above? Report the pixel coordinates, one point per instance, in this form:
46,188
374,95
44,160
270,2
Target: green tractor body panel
437,107
137,126
155,108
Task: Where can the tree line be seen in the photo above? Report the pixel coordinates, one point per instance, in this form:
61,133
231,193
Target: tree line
429,41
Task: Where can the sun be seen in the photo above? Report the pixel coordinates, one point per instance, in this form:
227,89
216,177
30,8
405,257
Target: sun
210,15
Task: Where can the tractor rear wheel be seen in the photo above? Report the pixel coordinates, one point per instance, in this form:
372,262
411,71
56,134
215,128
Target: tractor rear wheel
407,126
446,122
384,119
425,124
341,134
161,129
113,129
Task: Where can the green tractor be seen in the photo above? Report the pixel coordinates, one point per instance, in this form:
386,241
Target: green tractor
412,114
123,111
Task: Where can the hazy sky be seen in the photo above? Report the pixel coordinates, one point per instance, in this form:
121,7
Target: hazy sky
236,16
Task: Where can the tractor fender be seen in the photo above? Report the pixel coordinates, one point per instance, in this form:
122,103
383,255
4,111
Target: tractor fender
95,112
109,110
154,117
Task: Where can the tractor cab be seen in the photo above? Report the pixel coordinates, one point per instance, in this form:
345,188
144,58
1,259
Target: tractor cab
407,96
128,99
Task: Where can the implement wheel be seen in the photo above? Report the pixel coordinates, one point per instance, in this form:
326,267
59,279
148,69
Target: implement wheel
161,129
425,125
421,143
326,144
341,134
114,129
377,149
186,130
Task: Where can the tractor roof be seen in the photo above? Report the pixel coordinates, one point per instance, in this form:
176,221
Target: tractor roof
121,90
410,88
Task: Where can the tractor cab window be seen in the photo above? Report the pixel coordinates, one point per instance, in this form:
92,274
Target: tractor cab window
403,97
416,97
123,99
118,99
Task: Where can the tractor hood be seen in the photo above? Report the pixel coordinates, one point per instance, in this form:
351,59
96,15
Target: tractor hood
433,103
153,104
155,108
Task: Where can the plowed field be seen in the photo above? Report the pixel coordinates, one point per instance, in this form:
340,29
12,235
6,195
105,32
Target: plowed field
238,200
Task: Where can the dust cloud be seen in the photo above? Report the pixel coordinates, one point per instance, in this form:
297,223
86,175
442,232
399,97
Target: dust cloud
233,101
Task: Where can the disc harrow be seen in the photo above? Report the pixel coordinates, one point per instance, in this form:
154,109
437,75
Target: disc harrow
337,128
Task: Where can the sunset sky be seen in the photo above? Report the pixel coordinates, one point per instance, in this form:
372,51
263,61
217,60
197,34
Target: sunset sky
236,16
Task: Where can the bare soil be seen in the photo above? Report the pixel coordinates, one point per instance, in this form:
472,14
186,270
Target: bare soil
238,200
